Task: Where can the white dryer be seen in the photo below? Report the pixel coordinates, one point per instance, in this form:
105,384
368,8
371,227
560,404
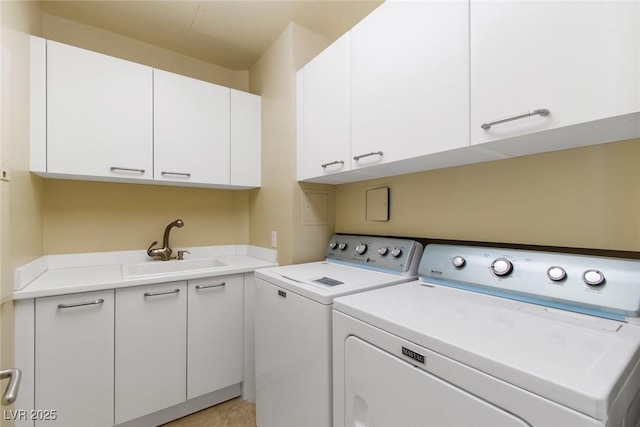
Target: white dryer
492,337
293,323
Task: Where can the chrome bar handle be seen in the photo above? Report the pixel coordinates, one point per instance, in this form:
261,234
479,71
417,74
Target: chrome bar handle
155,294
186,174
117,168
337,162
373,153
217,285
11,392
541,112
80,304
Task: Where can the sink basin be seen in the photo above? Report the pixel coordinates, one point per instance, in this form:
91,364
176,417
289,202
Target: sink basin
173,266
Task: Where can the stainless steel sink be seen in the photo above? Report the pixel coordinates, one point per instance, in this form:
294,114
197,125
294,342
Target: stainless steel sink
173,266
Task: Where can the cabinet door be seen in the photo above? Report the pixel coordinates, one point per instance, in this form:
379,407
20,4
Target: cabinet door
74,359
579,60
215,331
99,115
191,130
323,113
150,354
246,139
409,81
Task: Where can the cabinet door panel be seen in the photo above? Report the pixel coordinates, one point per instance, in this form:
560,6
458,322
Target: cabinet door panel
99,114
215,344
191,130
74,359
246,139
150,354
409,81
323,112
577,59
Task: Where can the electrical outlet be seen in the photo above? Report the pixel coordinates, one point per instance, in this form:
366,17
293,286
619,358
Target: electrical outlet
4,171
274,239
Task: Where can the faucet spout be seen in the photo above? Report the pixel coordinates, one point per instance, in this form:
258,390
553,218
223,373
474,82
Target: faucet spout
164,253
165,240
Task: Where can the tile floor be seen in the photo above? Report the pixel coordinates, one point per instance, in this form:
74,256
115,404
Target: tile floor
232,413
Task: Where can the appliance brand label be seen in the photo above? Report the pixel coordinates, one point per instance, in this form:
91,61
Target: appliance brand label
412,354
436,272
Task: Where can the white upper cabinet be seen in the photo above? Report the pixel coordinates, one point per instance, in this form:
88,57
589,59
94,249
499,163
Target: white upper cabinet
409,81
324,113
385,97
434,84
99,114
246,139
96,117
578,60
191,130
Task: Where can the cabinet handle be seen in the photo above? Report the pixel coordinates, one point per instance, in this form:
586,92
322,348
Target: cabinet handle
155,294
541,112
217,285
11,393
80,304
337,162
187,174
117,168
373,153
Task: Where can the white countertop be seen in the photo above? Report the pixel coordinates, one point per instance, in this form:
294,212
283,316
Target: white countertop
72,273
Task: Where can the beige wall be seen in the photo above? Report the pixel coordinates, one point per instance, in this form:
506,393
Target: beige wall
20,208
98,40
98,216
583,198
277,205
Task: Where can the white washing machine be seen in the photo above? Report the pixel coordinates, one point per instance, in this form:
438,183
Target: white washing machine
293,323
492,337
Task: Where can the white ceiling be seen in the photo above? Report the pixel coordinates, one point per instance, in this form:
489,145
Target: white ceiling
230,33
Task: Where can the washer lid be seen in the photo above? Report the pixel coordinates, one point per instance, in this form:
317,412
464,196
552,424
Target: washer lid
323,281
576,360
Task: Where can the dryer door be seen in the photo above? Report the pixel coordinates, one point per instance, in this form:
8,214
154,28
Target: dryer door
383,390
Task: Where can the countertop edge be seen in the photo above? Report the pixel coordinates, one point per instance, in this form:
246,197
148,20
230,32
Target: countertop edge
252,258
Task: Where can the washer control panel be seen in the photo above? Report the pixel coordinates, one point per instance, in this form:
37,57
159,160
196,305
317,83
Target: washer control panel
589,283
385,253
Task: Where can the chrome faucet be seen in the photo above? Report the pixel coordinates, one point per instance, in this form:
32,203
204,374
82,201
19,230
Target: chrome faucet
164,253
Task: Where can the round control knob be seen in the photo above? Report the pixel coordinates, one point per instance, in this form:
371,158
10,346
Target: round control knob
342,246
458,261
383,251
556,273
361,248
501,267
333,245
396,252
593,277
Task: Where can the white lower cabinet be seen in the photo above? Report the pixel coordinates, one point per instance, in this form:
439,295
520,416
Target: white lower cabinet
150,349
108,357
215,334
74,360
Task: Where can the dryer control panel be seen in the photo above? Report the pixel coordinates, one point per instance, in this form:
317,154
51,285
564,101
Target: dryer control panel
609,287
396,255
